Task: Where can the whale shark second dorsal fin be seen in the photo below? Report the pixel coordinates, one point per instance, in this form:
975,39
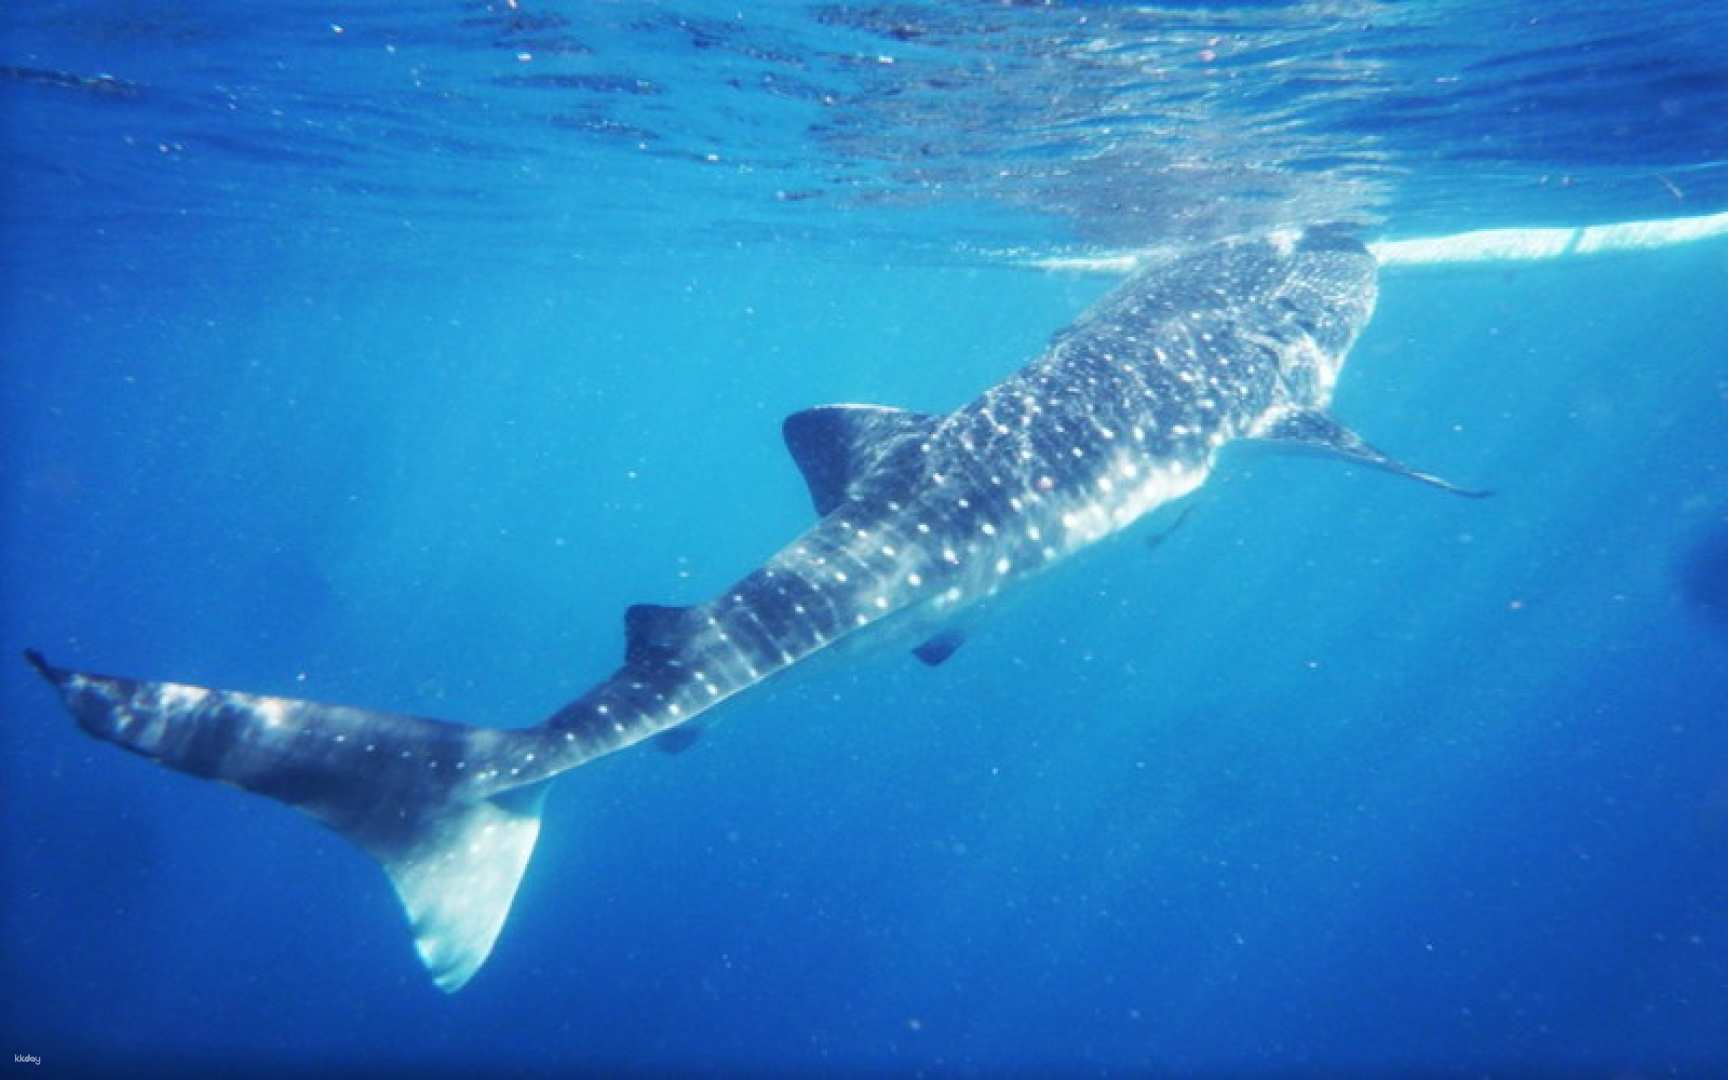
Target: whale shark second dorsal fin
653,632
1315,430
837,447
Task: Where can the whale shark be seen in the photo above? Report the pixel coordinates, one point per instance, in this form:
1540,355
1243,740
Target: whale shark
918,518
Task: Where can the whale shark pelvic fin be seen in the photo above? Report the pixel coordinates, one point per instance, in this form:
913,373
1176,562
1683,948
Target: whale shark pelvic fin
1315,430
940,647
421,796
679,739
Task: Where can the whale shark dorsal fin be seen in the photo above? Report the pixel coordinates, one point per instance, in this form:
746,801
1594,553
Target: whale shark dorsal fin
1315,430
840,447
653,632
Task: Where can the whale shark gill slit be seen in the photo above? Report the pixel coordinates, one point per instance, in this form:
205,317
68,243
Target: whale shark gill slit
1124,413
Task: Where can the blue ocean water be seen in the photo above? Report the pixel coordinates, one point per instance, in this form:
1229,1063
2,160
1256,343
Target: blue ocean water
385,356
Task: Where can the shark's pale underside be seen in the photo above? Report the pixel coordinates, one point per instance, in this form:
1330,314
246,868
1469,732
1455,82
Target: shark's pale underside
918,517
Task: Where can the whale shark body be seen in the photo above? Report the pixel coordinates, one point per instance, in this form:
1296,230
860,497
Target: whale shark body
919,516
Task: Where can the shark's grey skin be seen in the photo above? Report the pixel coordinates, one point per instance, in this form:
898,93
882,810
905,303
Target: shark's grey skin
919,516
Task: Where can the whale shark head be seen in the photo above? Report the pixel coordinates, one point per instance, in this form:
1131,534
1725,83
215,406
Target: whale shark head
1326,297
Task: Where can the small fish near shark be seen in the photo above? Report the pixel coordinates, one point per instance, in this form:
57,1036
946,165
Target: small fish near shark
919,516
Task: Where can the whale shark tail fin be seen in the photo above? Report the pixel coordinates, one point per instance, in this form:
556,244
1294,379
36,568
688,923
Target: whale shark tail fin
448,810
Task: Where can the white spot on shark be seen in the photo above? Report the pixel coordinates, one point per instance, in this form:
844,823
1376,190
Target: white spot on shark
273,711
176,697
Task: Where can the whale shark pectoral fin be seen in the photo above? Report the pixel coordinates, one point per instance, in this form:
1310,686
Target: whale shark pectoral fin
1314,430
839,447
410,791
940,647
